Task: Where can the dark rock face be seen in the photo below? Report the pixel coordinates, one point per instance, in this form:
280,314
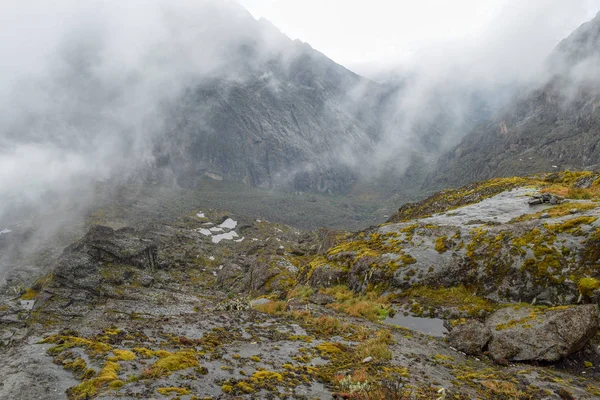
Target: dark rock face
527,334
470,338
552,127
79,265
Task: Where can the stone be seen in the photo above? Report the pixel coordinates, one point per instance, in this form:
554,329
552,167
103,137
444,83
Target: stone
470,338
531,334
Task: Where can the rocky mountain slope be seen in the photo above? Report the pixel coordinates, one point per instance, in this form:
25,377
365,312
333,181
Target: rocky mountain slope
213,305
553,126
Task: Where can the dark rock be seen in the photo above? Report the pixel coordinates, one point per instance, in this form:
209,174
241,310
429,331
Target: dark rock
528,334
326,276
79,265
470,338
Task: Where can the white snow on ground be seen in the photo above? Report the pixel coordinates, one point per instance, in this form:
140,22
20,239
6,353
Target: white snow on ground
3,231
216,229
200,215
240,240
229,224
205,232
224,236
211,258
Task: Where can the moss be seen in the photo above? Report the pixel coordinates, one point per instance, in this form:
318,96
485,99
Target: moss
255,358
64,342
326,349
106,377
165,391
143,352
174,362
227,388
244,387
122,355
441,244
30,294
588,285
572,224
267,375
459,297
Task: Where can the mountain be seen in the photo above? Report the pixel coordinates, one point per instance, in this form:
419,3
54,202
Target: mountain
555,125
280,114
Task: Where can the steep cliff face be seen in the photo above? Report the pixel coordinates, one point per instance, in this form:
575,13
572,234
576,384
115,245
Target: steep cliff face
554,126
280,114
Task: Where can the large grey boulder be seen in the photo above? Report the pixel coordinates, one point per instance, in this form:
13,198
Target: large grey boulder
530,334
470,338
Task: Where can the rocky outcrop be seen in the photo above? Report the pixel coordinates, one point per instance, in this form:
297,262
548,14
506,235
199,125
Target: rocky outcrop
82,265
528,333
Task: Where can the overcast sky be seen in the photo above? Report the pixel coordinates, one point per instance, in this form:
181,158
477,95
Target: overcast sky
363,34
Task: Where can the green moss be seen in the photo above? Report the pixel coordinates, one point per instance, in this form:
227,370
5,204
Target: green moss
106,377
441,244
459,297
122,355
174,362
165,391
588,285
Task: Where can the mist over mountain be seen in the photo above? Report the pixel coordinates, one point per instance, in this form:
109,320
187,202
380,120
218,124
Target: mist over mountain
553,125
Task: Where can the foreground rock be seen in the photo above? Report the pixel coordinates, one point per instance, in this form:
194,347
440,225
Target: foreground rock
529,333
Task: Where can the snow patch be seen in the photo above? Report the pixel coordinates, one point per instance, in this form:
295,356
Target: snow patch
4,231
224,236
240,240
205,232
211,258
229,224
216,229
200,215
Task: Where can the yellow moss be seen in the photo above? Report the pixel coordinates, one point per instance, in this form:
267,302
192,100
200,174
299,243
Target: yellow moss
162,353
588,285
255,358
30,294
227,388
570,225
106,377
244,387
267,375
122,355
143,352
459,297
177,361
173,390
67,342
440,244
329,348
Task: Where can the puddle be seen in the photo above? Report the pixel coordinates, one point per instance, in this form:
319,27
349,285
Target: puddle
428,326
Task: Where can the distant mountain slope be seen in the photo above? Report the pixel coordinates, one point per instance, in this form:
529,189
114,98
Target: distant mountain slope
555,126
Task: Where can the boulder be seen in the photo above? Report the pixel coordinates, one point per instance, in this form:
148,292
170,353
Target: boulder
533,334
470,338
